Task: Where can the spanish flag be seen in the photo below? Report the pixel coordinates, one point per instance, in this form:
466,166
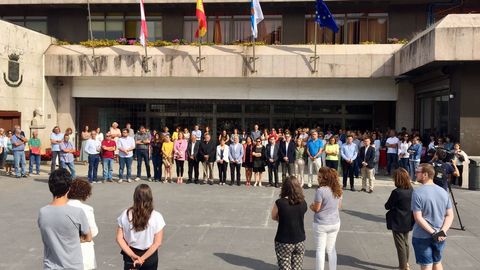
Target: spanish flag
202,20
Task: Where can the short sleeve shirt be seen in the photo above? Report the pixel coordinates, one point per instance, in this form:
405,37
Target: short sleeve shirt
57,137
328,214
105,153
142,137
142,239
392,140
60,228
314,146
14,140
125,143
433,202
66,157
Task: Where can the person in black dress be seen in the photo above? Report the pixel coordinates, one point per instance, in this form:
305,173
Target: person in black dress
290,211
157,157
258,161
248,159
400,217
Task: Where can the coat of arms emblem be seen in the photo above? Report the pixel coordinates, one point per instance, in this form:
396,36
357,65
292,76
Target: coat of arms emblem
14,78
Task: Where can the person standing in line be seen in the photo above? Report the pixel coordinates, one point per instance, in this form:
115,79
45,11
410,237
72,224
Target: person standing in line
289,210
326,220
55,139
35,153
85,135
18,148
332,149
248,160
186,134
377,144
300,155
142,141
179,154
66,155
256,133
140,231
460,159
206,154
258,154
222,155
116,133
287,156
109,148
224,136
314,150
433,214
415,154
366,156
349,154
157,156
9,159
192,153
197,132
165,132
403,154
126,145
167,156
399,216
175,134
272,155
80,191
63,227
93,148
235,156
392,152
131,132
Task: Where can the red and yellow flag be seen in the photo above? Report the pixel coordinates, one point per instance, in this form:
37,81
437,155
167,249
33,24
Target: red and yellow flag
202,20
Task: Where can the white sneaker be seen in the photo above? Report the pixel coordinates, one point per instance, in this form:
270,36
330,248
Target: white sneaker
120,181
129,180
309,185
137,179
149,179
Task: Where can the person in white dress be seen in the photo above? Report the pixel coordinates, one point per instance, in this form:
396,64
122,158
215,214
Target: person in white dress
80,191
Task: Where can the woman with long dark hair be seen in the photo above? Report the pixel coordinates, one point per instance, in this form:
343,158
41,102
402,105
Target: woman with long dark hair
326,221
400,217
289,210
157,157
140,231
248,159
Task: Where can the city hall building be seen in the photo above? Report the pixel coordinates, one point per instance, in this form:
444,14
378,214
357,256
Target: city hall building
363,77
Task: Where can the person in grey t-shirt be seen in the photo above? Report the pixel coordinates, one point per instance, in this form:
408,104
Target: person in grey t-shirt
62,227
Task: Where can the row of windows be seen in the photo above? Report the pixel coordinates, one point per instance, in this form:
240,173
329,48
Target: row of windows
355,28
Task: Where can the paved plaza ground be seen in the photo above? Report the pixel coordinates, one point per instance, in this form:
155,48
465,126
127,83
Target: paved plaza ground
224,227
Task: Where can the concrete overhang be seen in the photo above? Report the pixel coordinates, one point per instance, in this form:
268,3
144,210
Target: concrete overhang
67,2
456,38
285,61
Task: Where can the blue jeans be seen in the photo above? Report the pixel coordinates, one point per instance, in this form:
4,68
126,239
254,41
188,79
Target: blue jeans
128,162
427,251
19,161
34,159
93,161
392,161
143,154
411,169
107,168
70,166
157,167
404,164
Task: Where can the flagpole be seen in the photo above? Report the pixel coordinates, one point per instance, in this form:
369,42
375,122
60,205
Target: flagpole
200,58
145,58
315,57
254,58
91,36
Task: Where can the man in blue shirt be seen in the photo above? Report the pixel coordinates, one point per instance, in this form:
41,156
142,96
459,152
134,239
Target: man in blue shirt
18,149
66,155
349,154
55,139
432,210
314,152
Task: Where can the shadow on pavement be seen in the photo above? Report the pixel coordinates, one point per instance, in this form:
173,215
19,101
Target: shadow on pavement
365,216
245,261
353,262
40,180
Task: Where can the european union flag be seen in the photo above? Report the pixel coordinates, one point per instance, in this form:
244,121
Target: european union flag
324,17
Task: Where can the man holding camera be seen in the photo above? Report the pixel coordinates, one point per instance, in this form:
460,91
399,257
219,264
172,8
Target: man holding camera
444,167
433,213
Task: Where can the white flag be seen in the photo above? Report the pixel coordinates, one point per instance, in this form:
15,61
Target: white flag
256,16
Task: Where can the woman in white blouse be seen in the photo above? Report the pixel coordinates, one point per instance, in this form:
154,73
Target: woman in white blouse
80,191
140,231
222,161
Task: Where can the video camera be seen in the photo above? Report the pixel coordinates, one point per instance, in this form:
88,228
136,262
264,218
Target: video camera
442,153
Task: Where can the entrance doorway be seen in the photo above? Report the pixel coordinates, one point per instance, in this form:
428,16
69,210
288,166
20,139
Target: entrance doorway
8,119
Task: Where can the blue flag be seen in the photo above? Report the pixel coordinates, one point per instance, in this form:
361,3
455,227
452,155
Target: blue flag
324,17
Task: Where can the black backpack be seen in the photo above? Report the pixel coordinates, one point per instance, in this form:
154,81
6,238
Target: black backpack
441,177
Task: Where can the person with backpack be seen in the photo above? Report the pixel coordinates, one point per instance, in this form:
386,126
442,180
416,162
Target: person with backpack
444,171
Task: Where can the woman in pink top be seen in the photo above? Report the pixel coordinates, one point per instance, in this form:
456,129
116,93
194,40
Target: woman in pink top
179,150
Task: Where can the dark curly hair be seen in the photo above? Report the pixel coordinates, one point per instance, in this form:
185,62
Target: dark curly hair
80,190
328,177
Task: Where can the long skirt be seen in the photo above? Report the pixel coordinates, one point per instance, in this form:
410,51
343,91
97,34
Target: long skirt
83,154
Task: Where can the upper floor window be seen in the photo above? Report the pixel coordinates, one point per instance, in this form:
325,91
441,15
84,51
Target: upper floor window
118,25
36,23
355,28
230,29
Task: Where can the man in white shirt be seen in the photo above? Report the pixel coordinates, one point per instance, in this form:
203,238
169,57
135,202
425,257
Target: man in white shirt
125,146
92,148
392,151
197,132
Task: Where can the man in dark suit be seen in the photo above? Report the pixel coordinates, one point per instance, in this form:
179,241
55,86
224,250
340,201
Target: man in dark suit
206,154
366,156
287,155
192,154
271,154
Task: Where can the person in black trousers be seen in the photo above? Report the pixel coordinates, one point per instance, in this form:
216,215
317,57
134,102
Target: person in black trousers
400,216
206,154
271,155
366,157
157,161
192,154
349,153
287,155
222,161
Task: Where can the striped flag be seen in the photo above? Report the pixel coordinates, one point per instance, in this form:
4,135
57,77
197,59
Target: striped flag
256,16
202,20
143,29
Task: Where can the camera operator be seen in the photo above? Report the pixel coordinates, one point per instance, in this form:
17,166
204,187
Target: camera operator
445,167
